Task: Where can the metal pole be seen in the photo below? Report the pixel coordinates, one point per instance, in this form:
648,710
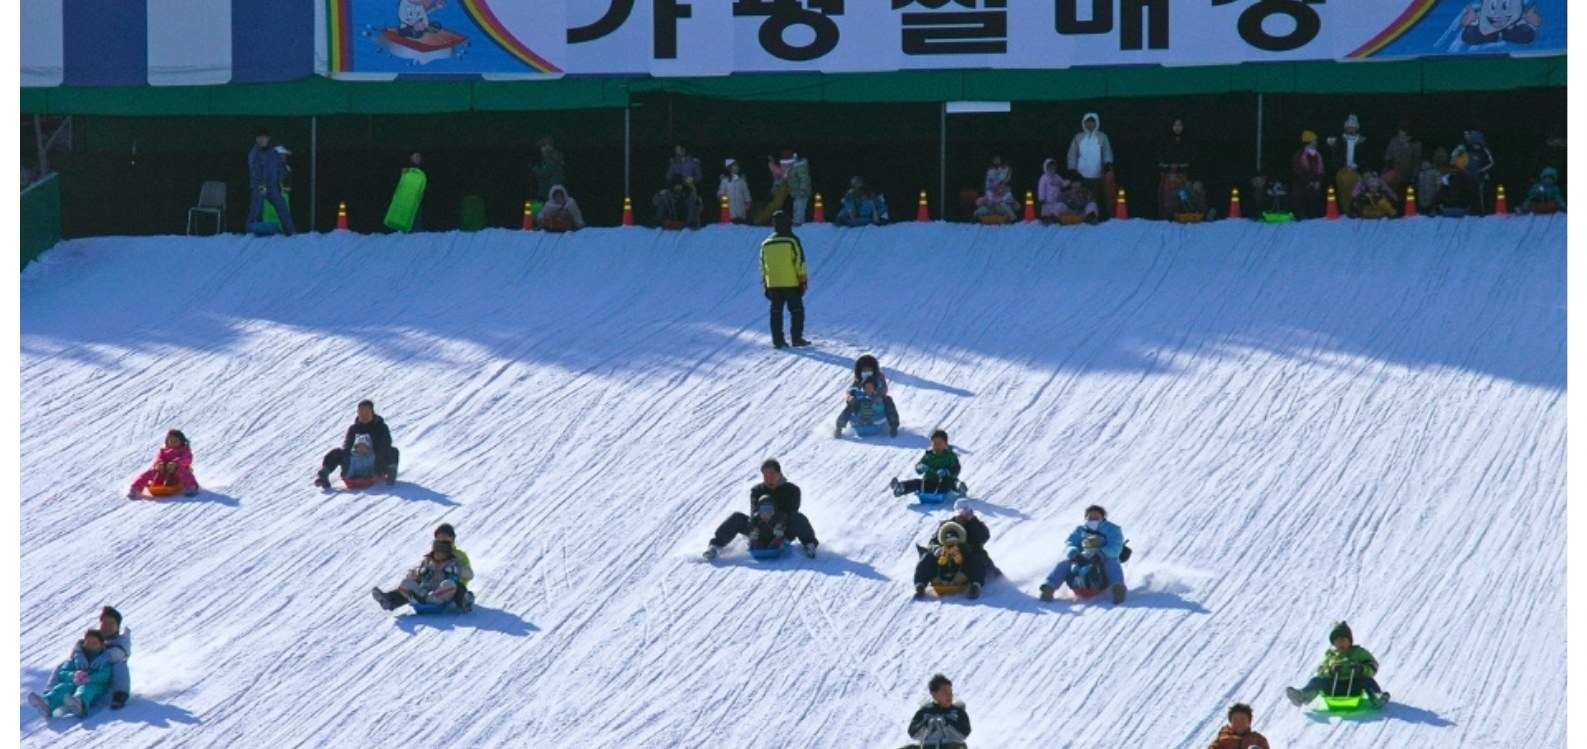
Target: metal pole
628,146
314,172
942,171
44,147
1259,132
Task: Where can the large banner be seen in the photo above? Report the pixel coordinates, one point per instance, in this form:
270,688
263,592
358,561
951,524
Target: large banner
511,38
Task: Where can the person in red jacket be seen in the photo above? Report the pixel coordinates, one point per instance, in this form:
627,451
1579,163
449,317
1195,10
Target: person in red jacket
1237,734
1306,178
174,463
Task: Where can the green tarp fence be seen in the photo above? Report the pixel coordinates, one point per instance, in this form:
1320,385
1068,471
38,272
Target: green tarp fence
323,96
41,217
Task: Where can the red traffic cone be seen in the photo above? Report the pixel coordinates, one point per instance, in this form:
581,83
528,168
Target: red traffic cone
1120,212
628,211
1410,201
1333,205
923,216
1030,207
821,211
727,215
1234,204
1501,207
528,216
341,216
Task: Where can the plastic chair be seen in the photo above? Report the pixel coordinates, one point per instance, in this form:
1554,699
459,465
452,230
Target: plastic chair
211,199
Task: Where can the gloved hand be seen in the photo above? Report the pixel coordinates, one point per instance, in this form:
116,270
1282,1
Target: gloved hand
942,473
777,532
920,469
79,678
263,189
1093,542
1075,555
804,286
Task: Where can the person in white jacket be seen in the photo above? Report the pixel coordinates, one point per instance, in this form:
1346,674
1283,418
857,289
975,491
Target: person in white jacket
736,189
1091,153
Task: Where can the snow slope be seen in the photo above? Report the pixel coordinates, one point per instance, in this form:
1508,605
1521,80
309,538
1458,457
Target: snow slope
1293,424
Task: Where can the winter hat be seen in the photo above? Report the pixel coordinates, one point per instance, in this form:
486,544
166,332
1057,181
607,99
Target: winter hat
729,162
1351,121
1341,629
788,156
767,508
111,612
950,530
962,507
283,151
363,439
1307,136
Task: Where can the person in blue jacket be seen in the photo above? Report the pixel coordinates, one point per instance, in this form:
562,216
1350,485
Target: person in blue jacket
1097,541
79,681
264,183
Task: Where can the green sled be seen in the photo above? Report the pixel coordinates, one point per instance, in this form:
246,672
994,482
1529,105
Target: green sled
405,201
270,216
1348,704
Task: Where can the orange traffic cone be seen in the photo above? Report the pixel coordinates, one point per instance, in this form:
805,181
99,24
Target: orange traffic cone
1120,212
528,216
1501,207
1234,204
821,211
341,216
1410,201
923,216
727,215
1333,205
1030,207
628,211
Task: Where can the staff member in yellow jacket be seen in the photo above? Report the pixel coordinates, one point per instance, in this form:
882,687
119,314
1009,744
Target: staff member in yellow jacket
783,275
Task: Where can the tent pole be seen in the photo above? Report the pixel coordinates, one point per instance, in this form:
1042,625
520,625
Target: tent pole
942,162
314,172
1259,132
628,146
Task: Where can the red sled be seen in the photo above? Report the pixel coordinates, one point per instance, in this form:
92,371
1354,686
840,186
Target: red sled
435,44
360,482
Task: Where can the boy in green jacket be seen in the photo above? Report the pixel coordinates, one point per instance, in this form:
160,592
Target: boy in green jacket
1347,669
938,468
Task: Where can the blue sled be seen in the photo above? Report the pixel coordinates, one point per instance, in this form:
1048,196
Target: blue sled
936,498
769,552
446,608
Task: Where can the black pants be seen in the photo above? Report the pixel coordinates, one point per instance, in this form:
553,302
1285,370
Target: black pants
974,567
932,484
794,298
737,524
338,457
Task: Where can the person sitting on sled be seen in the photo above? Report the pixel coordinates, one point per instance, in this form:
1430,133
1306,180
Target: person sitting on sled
79,681
1347,670
938,470
1096,542
436,580
867,369
173,464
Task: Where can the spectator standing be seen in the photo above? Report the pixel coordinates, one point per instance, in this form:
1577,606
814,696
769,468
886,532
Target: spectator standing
1173,165
736,189
784,279
1306,178
1402,158
1345,152
551,171
1091,153
264,183
799,186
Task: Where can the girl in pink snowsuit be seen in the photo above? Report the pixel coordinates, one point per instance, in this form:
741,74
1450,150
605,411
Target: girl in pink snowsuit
174,461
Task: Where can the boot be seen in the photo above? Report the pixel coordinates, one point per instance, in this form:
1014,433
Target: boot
38,703
711,552
975,591
1046,592
76,706
1380,699
1300,697
322,479
388,601
920,591
1118,593
897,487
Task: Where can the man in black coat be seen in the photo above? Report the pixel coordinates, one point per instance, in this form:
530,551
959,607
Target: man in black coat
977,562
368,423
784,495
941,723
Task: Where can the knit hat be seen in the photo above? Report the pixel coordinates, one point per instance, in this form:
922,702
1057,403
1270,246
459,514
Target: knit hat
283,151
788,156
1351,121
1307,136
962,507
767,508
111,612
729,162
1341,629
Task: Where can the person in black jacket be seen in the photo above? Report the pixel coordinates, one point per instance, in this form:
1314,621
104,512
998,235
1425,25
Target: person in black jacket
941,723
784,496
368,423
972,535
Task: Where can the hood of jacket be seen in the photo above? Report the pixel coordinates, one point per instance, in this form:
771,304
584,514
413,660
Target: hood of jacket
1049,161
552,193
1090,116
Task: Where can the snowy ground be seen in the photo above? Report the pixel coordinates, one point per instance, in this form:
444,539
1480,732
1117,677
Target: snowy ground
1293,424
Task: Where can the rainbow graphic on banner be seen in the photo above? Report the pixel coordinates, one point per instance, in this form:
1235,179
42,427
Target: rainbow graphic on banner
1404,23
340,44
479,10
